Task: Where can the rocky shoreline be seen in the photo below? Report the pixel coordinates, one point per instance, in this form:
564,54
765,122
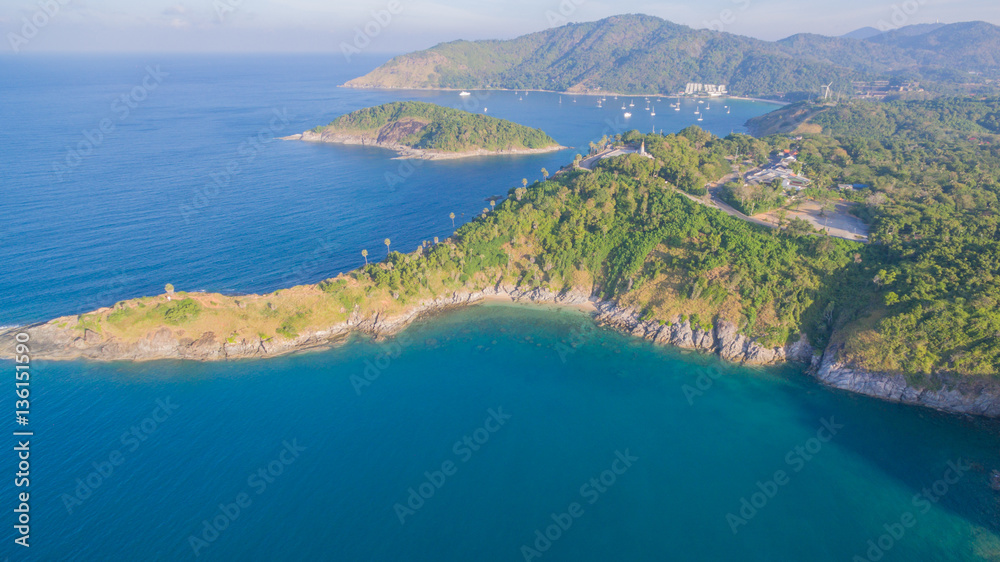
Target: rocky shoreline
406,152
975,397
962,397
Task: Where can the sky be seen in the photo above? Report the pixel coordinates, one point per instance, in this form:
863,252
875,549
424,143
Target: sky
397,26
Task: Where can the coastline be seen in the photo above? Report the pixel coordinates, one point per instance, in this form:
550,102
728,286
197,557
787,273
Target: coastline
723,339
561,92
408,153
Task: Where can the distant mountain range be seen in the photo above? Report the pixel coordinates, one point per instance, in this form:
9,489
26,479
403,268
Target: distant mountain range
644,54
907,31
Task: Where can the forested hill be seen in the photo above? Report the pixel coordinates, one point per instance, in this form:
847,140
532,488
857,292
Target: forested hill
644,54
932,171
935,120
425,126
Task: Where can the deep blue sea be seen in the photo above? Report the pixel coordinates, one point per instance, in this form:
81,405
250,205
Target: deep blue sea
489,433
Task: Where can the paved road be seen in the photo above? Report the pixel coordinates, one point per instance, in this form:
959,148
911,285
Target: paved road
841,224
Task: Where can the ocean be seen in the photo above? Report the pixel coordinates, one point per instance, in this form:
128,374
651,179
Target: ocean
495,432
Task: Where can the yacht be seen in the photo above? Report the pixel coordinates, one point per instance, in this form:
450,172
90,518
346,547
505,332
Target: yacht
627,115
464,93
653,113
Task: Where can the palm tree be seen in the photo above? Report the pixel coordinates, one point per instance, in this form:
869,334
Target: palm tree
452,217
493,204
364,253
524,182
386,247
435,240
545,174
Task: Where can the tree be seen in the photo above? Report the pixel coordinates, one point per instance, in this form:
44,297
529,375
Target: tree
169,289
435,240
524,182
364,253
386,246
545,174
493,204
452,217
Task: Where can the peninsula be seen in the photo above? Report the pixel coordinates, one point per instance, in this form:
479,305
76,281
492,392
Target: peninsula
911,316
428,131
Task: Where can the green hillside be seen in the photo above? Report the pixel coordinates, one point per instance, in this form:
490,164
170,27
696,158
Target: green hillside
426,126
644,54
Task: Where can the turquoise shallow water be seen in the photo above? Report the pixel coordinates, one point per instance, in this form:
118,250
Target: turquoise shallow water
575,395
117,477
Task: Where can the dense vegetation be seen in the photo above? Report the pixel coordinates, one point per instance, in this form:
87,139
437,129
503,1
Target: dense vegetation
934,205
432,127
643,54
922,298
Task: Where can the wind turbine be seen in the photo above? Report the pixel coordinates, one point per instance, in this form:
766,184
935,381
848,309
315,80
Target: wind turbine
826,94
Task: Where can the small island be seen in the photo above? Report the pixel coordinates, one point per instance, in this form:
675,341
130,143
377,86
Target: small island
431,132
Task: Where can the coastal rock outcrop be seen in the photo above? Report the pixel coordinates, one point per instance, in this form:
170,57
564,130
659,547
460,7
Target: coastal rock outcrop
965,396
723,338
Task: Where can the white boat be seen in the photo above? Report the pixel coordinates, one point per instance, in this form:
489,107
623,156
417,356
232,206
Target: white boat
653,113
484,110
627,115
708,106
464,93
623,107
701,101
677,108
700,118
631,104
